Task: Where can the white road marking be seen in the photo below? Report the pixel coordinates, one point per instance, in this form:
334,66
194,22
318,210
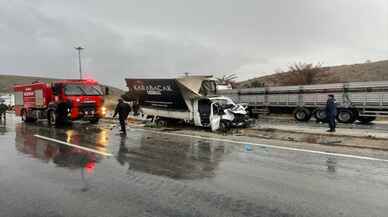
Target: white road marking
268,146
74,146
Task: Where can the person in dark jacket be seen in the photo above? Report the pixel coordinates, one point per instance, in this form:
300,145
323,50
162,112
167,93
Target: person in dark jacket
331,112
136,108
3,109
123,110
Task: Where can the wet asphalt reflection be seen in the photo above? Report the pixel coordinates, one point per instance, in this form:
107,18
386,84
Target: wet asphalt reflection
162,175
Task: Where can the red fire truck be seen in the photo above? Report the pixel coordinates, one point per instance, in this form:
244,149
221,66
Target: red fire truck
61,101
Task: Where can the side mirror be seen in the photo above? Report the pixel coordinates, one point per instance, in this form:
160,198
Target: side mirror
107,91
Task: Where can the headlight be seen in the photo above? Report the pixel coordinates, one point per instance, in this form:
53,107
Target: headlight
103,110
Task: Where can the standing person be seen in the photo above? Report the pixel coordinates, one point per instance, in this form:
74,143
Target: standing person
122,109
136,108
3,109
331,112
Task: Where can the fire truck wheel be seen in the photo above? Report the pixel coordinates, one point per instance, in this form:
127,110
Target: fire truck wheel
24,115
52,118
302,114
26,118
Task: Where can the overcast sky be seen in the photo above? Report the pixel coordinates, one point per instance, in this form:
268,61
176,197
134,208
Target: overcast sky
143,38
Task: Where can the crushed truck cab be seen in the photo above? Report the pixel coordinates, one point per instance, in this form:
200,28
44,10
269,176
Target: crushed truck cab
60,102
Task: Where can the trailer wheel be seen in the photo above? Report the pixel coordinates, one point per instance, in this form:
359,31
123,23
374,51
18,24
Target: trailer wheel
366,119
320,115
346,116
302,114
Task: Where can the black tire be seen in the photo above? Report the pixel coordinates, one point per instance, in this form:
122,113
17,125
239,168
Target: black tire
24,115
366,119
161,122
26,118
247,122
346,116
320,115
224,126
302,114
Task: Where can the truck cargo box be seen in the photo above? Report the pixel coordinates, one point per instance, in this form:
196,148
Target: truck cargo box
170,94
163,93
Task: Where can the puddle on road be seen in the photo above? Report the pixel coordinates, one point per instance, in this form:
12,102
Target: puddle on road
171,157
60,155
331,164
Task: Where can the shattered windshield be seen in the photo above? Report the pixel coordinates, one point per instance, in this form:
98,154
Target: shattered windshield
78,90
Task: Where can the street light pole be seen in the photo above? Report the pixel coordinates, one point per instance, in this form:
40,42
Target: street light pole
79,60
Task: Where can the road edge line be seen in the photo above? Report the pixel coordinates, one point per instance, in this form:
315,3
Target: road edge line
73,145
268,146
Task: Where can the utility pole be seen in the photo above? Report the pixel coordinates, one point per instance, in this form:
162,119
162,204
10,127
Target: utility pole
79,60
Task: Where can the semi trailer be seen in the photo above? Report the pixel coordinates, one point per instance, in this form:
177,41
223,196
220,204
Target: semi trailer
60,102
186,99
362,101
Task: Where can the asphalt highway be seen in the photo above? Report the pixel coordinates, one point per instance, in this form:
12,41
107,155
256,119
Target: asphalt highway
164,173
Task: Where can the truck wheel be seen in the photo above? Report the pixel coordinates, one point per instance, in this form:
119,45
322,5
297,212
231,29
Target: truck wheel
224,126
302,114
320,115
24,115
161,123
366,119
52,118
346,116
26,118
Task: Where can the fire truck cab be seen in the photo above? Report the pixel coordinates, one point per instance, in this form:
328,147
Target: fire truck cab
60,102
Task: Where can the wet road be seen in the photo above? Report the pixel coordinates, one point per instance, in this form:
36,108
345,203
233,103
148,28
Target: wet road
378,126
160,174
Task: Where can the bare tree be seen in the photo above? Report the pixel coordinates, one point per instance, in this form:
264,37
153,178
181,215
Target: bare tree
301,74
256,83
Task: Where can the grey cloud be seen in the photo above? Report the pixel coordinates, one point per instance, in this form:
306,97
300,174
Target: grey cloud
165,38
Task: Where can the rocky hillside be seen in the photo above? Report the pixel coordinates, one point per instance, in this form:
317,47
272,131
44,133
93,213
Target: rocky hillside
374,71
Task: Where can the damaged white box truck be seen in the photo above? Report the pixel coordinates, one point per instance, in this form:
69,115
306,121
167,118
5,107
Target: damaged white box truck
192,99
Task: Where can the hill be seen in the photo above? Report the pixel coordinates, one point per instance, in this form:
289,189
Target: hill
7,81
374,71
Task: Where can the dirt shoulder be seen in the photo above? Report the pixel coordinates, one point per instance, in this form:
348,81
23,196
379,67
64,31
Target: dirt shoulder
355,138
